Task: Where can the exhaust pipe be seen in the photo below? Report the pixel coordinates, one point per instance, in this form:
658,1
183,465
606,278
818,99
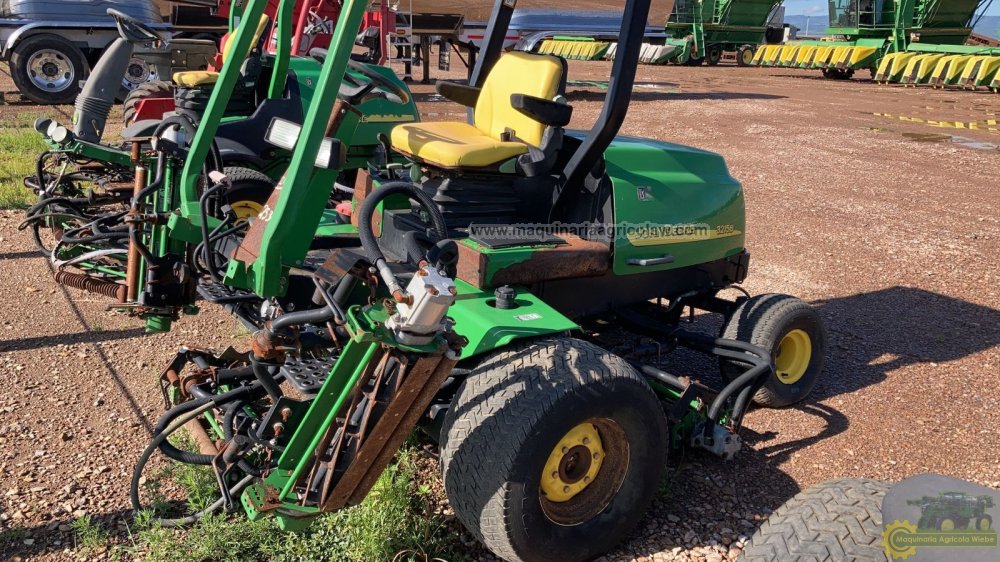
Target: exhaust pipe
93,103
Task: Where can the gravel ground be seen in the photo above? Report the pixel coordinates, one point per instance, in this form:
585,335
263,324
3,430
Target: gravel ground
856,204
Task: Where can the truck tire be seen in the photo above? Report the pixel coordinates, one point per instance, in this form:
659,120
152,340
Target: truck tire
794,334
829,522
744,55
552,450
47,69
151,89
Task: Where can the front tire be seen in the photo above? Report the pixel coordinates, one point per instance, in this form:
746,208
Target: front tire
553,450
829,522
47,69
794,334
744,55
714,56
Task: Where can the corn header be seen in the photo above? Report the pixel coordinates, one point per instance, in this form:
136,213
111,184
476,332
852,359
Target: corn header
898,41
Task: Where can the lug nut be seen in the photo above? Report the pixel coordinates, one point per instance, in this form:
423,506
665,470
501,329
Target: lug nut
586,440
586,480
565,450
597,456
565,489
555,474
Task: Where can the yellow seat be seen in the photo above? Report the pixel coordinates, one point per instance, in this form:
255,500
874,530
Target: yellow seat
192,78
453,145
499,131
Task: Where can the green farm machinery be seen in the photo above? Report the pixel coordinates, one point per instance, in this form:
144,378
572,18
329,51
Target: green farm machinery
898,41
954,510
468,281
103,208
703,30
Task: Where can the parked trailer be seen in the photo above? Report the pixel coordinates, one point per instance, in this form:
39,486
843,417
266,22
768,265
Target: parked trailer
898,41
702,30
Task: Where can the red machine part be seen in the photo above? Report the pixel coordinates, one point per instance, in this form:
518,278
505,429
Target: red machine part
310,15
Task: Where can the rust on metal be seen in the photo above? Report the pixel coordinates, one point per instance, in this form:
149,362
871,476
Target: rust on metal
576,258
132,266
363,187
205,444
91,285
421,382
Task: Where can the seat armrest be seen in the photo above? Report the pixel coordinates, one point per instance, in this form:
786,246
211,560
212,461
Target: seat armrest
458,93
547,112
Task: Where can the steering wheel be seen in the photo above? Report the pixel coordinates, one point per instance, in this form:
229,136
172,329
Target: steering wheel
133,30
392,91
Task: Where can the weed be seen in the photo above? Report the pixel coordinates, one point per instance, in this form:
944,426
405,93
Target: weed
89,534
395,522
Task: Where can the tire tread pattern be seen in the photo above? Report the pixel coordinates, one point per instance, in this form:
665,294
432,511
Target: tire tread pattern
830,522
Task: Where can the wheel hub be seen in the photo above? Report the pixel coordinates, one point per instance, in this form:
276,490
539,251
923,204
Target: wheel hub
50,71
573,464
246,210
794,354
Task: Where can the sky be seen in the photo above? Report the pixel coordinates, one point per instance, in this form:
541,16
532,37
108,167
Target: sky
819,7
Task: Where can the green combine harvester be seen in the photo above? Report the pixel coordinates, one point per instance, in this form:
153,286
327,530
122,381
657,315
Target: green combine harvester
954,510
703,30
897,41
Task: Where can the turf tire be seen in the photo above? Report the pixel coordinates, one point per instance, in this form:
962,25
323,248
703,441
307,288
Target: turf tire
829,522
508,416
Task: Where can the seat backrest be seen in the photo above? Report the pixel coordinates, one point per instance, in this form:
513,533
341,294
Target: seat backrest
261,26
542,76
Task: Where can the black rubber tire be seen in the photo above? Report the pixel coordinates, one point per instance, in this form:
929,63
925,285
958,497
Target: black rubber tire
22,53
741,55
714,56
764,320
829,522
695,61
988,519
511,412
248,185
151,89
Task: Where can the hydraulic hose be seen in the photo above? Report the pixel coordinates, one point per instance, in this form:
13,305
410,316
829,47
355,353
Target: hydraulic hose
367,235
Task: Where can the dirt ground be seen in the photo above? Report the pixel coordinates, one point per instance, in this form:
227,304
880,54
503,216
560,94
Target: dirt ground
869,202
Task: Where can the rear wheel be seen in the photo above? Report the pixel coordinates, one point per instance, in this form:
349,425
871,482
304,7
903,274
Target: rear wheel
146,90
714,56
249,193
984,523
552,450
793,332
832,521
47,69
744,55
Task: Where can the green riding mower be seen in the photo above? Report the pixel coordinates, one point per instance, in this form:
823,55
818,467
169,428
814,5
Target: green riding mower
461,293
91,195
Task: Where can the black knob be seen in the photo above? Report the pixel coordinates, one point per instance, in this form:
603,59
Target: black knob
506,297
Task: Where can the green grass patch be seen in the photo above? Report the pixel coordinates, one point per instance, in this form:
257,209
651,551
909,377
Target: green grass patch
89,535
396,522
20,145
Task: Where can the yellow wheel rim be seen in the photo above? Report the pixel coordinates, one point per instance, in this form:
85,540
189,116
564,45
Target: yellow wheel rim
573,464
794,353
984,524
947,525
246,210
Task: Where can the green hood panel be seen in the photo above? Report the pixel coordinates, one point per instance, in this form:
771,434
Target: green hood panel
672,200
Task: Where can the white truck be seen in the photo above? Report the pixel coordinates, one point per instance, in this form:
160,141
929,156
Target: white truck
51,45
